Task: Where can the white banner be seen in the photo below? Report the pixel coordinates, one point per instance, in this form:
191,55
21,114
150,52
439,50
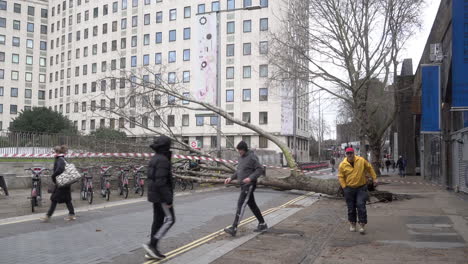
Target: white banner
204,71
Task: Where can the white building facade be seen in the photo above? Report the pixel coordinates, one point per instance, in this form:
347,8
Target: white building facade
95,49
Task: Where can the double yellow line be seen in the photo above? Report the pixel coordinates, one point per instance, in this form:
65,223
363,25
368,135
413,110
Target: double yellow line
218,233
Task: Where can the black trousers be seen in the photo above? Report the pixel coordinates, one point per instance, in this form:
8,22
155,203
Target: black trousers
246,197
163,220
53,205
356,201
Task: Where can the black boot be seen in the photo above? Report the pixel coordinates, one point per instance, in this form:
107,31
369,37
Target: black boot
261,227
153,251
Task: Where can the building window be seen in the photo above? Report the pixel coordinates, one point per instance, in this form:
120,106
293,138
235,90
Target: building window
15,58
13,109
264,70
262,142
246,95
186,55
147,19
170,120
215,6
17,8
247,3
263,94
229,95
121,122
171,78
158,37
159,17
247,72
199,120
263,24
172,14
16,25
157,58
230,142
246,139
172,56
187,11
134,3
14,75
157,121
263,118
132,122
29,60
230,73
172,35
145,59
213,120
14,92
31,11
247,26
246,117
231,4
247,48
200,139
123,23
124,4
134,21
15,41
3,5
134,61
185,120
230,27
263,47
264,3
214,142
186,77
187,33
201,8
186,95
229,50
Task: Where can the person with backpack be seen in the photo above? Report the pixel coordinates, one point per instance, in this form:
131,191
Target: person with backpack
387,163
160,194
60,194
401,164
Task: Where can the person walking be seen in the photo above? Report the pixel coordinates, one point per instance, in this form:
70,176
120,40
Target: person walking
60,194
401,164
332,163
160,194
247,173
387,163
352,177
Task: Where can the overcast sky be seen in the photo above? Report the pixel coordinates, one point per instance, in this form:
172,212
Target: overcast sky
413,50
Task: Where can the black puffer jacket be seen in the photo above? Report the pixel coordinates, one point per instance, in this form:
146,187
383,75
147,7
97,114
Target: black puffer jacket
60,194
159,172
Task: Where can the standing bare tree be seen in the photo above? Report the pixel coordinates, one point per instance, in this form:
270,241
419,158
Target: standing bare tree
353,53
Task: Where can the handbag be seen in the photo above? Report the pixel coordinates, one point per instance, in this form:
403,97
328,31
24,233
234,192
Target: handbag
69,176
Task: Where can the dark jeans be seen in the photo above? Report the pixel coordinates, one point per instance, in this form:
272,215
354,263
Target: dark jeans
53,205
401,172
356,201
246,197
163,220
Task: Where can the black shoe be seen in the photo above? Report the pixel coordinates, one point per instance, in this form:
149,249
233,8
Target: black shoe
153,252
261,227
231,230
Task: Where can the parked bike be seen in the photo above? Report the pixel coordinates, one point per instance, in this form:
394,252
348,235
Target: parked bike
138,180
105,182
87,186
36,190
123,182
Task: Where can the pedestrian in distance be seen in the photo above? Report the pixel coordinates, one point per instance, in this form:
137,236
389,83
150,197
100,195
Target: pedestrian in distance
247,173
387,163
401,164
160,194
60,194
332,163
352,176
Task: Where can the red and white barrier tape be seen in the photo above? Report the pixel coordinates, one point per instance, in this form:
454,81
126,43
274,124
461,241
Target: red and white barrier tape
145,155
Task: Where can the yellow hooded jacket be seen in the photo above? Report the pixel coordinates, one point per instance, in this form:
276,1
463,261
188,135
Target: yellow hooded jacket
350,176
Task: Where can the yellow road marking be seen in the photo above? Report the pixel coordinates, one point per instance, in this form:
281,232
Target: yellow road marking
218,233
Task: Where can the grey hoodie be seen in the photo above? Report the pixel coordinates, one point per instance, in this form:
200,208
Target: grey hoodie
248,167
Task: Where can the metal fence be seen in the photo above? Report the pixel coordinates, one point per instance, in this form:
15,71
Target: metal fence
36,143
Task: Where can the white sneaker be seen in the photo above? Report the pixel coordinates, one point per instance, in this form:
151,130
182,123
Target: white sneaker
352,228
70,218
361,228
45,219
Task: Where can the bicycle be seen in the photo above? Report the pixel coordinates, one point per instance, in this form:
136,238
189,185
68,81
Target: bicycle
138,180
87,186
181,169
36,190
123,182
105,182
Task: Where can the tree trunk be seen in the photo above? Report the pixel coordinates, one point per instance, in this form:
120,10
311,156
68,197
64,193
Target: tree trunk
375,146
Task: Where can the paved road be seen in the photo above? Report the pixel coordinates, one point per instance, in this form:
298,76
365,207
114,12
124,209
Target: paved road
116,234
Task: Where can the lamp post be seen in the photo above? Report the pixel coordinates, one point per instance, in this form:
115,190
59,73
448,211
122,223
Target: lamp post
218,66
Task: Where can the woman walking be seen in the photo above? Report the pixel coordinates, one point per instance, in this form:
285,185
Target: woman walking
60,194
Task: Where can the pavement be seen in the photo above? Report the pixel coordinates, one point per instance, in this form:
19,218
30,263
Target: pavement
428,224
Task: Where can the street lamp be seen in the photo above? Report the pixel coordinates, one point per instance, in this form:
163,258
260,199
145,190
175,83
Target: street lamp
218,65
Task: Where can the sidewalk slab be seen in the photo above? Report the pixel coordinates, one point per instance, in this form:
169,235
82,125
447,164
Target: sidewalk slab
430,227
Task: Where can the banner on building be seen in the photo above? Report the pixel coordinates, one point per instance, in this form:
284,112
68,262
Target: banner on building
430,99
460,55
205,65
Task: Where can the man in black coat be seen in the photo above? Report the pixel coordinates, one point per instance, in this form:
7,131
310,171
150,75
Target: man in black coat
60,194
160,193
248,170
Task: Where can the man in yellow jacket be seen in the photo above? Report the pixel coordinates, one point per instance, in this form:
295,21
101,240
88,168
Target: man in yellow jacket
352,177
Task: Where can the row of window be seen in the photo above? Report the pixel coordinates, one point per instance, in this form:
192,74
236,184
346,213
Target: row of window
17,9
28,76
13,109
15,59
16,42
17,25
215,6
27,93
